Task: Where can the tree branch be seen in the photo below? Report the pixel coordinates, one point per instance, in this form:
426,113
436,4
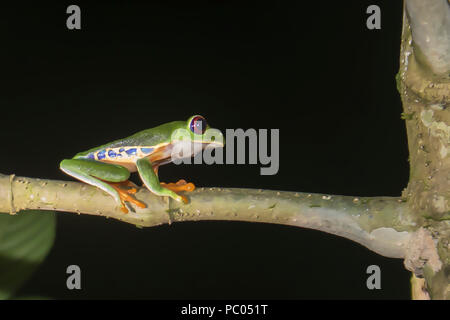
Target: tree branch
379,223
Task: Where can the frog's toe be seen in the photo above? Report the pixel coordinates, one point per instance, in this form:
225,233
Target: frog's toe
131,191
123,207
136,202
184,199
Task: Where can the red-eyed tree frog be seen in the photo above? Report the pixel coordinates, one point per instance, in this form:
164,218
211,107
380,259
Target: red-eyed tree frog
108,167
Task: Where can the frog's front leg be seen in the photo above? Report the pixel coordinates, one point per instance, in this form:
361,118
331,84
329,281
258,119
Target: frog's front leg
151,181
181,185
107,177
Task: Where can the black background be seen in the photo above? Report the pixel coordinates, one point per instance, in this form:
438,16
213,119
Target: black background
312,70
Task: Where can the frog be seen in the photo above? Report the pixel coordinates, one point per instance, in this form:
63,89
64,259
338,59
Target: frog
109,166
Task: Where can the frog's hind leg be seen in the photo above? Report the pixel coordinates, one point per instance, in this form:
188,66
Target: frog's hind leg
106,177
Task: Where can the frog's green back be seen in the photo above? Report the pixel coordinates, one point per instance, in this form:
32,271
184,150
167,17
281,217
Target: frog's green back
149,138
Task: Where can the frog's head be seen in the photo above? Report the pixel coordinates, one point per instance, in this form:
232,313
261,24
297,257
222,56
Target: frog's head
192,136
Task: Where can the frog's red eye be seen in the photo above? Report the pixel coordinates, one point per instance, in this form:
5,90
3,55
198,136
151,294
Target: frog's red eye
198,125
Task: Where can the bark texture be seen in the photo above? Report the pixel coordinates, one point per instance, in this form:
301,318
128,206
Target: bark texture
424,85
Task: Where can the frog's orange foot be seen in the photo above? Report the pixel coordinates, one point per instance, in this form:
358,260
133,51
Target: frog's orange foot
126,194
181,185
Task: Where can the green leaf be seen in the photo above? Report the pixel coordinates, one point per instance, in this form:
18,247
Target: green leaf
25,240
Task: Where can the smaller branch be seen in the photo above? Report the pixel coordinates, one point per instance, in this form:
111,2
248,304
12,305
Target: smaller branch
430,25
380,223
